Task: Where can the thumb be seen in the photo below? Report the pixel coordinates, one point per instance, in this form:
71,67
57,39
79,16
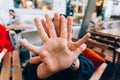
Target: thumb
35,60
80,49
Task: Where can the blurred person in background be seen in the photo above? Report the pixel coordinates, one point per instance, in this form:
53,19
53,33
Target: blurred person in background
14,19
14,22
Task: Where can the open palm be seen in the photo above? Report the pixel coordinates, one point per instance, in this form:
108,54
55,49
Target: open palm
56,53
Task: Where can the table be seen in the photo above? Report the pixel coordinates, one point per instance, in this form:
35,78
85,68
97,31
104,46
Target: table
108,36
115,33
111,24
19,27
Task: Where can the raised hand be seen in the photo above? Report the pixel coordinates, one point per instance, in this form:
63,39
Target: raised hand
57,25
55,53
72,45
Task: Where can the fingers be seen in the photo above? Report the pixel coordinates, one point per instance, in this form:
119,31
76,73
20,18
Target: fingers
69,28
51,27
45,26
29,46
41,31
35,60
79,50
82,40
57,23
63,33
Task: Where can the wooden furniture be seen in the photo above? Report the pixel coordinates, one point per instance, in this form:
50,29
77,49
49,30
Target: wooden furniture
99,71
16,74
5,73
108,37
5,70
115,32
118,59
18,26
94,44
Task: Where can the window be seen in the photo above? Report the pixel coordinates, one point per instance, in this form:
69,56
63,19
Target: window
79,9
74,8
34,4
78,6
0,4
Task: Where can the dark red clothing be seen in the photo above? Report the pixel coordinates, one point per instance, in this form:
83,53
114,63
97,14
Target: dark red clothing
5,41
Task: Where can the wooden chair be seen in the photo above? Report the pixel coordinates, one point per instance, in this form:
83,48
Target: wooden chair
11,56
16,73
94,44
99,71
118,51
5,73
108,40
5,70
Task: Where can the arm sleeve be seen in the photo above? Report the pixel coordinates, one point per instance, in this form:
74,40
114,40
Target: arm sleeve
86,68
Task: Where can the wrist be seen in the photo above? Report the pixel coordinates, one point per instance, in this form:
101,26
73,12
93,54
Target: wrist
75,65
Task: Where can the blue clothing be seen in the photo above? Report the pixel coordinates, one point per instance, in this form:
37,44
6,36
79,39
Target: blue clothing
83,73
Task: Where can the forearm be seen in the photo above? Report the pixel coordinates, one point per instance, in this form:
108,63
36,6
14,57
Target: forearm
86,68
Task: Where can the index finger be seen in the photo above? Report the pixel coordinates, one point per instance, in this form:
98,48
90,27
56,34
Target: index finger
29,46
41,31
69,28
57,23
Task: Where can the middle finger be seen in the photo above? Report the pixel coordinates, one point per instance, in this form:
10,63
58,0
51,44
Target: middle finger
57,23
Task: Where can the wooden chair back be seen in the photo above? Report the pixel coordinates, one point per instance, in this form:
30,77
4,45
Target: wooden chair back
16,73
109,41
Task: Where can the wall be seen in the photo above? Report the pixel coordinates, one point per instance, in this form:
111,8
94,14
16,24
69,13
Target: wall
26,14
